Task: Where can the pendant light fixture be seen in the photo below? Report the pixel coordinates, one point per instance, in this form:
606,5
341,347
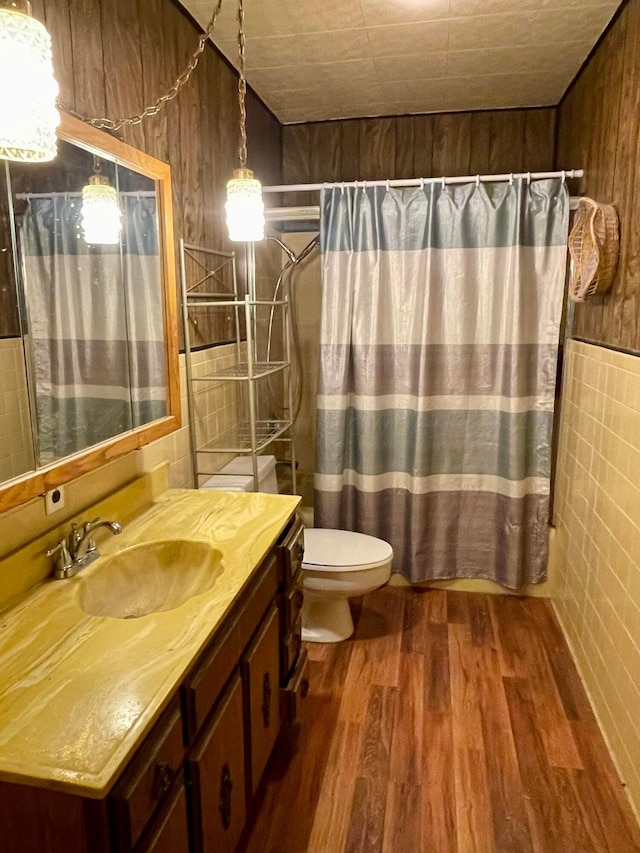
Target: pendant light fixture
100,215
28,114
245,208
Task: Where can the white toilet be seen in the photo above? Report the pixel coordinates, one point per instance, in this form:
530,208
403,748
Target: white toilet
337,565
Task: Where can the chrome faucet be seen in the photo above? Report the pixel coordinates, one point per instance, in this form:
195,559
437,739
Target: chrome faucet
77,550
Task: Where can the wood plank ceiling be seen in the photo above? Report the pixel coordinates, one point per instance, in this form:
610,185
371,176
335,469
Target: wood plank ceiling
312,61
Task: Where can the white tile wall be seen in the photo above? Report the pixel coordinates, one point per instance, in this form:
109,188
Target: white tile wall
598,541
216,412
16,451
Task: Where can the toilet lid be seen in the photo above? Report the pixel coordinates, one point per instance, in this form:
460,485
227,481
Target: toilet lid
337,549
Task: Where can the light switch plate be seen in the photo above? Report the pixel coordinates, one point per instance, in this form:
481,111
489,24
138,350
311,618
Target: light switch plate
54,500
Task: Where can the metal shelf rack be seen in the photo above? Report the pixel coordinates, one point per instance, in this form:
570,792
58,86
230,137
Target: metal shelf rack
252,433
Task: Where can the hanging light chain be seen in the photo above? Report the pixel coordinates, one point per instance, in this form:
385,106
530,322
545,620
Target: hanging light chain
169,95
242,88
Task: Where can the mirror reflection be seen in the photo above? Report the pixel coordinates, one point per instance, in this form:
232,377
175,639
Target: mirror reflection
16,445
92,324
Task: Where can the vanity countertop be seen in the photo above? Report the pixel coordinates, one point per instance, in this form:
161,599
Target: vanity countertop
78,693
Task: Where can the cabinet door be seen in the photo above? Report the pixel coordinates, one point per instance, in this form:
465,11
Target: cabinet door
170,834
216,773
261,668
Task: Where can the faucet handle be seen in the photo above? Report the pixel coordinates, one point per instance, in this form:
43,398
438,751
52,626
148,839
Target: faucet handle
75,536
61,547
63,562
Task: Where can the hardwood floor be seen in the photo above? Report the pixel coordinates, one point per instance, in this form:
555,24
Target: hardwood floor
450,723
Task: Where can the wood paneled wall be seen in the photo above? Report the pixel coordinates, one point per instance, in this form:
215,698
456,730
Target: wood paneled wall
599,130
418,146
113,57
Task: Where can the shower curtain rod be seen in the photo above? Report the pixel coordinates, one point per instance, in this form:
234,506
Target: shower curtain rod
418,182
310,214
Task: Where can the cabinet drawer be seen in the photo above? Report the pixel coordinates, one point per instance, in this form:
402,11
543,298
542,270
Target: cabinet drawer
216,771
202,689
290,647
290,553
290,605
147,780
292,696
170,833
260,673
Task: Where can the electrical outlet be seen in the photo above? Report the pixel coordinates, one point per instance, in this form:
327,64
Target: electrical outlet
54,500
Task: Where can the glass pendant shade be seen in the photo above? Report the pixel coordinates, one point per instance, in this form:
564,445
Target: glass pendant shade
28,90
245,208
100,218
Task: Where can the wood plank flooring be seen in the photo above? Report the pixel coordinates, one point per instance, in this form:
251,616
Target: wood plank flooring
450,723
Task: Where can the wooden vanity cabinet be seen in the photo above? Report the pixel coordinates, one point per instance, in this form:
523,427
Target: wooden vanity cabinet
203,687
37,820
231,738
190,785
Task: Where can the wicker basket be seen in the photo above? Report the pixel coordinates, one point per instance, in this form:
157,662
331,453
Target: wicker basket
594,244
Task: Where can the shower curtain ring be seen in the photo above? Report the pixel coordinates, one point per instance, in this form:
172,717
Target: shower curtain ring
528,179
477,182
511,179
342,188
422,184
388,185
564,176
444,182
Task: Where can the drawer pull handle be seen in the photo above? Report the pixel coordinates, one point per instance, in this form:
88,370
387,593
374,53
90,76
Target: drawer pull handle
266,700
226,786
298,552
162,779
304,688
299,598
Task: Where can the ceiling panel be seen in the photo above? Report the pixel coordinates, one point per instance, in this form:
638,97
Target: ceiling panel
311,60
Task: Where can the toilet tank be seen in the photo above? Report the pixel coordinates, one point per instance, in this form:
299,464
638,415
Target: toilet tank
218,483
242,466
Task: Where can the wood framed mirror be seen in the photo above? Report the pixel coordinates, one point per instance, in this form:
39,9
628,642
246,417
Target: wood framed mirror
89,335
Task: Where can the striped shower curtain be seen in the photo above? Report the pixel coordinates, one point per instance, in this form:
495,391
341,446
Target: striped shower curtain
440,323
95,323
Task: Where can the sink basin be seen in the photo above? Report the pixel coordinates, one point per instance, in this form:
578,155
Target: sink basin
149,578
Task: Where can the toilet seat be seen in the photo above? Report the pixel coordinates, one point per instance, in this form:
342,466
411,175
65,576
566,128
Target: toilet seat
343,550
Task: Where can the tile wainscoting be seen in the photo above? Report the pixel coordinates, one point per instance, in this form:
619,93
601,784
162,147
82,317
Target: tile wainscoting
598,541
